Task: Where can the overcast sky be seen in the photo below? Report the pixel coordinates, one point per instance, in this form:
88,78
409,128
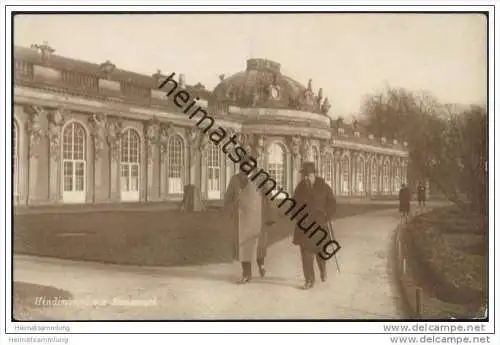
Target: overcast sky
348,55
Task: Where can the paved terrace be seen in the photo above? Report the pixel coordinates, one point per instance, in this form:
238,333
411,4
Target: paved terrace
365,288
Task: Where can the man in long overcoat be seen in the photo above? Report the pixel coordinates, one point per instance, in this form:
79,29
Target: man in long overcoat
421,194
311,231
250,214
404,202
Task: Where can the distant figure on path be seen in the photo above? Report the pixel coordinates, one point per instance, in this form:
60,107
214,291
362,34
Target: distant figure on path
421,195
314,192
249,213
404,202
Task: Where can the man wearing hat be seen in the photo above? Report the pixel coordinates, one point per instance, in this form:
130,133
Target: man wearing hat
250,215
320,202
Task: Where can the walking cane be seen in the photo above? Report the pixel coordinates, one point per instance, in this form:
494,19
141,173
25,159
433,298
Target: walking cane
330,230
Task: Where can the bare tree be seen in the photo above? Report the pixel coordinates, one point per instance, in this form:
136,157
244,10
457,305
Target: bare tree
447,144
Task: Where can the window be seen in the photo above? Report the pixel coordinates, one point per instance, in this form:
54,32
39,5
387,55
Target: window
129,165
344,177
397,176
360,174
213,171
315,157
175,165
276,165
329,171
74,163
385,177
15,161
374,175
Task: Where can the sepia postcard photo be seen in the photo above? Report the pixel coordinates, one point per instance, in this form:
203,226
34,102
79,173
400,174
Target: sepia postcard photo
250,166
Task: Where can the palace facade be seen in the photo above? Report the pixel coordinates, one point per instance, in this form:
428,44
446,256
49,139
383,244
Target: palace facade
90,133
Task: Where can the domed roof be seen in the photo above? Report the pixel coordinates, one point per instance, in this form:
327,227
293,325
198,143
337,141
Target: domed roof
262,85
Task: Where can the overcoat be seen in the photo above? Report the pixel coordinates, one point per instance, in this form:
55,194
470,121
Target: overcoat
421,193
248,212
320,207
404,200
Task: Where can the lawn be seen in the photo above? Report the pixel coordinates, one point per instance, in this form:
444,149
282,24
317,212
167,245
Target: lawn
448,249
142,237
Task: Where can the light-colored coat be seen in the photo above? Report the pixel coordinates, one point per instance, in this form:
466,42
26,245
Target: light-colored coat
245,208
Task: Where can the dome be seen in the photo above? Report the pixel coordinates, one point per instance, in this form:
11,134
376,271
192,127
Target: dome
262,85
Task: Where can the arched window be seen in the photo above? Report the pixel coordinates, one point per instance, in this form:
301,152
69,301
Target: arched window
213,171
329,171
315,157
130,144
374,176
74,163
344,176
175,172
385,177
360,174
276,165
404,173
15,161
397,176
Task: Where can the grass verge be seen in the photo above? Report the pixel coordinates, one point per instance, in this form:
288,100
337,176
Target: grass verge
448,258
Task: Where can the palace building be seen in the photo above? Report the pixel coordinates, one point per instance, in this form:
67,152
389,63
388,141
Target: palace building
85,133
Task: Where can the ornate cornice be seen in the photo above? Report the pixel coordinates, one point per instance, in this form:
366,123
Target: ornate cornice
364,147
38,99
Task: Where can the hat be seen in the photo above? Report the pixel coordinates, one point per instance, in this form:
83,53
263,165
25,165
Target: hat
308,168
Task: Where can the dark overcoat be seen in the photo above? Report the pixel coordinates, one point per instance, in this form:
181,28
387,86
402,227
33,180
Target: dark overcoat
404,200
320,206
421,192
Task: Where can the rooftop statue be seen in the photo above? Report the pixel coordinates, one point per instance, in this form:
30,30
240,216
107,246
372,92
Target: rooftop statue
326,106
320,95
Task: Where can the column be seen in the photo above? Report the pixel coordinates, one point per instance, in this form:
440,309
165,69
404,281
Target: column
382,165
89,173
352,171
295,145
193,135
152,166
56,120
38,155
259,147
202,179
336,177
102,170
113,136
368,192
380,160
23,163
102,158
